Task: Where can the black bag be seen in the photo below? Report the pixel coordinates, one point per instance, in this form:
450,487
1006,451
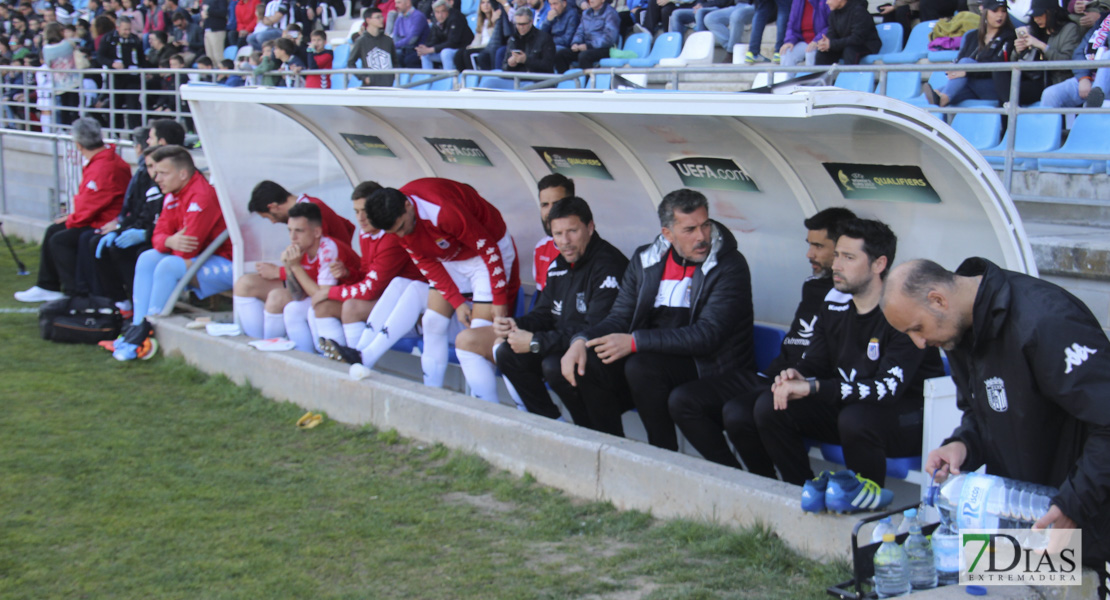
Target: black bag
80,320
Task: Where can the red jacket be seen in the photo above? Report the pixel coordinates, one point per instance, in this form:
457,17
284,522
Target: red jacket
103,184
318,268
383,258
454,223
196,209
245,18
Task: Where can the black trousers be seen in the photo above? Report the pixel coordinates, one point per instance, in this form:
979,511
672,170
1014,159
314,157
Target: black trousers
700,410
659,16
605,393
587,59
653,379
115,269
528,372
868,432
850,55
1029,90
904,17
932,10
58,260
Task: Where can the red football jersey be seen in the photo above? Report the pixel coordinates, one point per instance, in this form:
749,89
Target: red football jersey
383,258
541,259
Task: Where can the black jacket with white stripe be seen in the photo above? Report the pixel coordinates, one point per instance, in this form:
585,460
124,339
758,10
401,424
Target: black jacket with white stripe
1033,379
575,296
719,335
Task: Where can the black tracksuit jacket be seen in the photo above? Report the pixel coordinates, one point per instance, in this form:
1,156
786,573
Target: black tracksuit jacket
1033,379
575,296
719,335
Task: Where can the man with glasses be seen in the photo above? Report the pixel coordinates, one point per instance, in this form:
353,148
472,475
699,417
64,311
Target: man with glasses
530,50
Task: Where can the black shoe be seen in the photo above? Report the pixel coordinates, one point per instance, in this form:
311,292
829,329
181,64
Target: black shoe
930,94
336,351
1095,98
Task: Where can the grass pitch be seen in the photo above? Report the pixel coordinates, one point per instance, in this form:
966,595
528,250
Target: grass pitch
153,480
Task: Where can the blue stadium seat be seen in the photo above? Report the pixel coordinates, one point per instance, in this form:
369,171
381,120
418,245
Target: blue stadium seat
981,130
668,45
942,56
897,468
640,43
472,20
230,53
768,342
1088,136
917,47
495,83
978,103
856,81
469,7
1035,133
601,81
891,36
903,85
570,83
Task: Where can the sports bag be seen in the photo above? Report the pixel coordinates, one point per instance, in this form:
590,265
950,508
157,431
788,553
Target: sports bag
80,320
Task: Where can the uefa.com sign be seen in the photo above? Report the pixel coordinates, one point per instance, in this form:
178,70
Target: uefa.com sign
1021,557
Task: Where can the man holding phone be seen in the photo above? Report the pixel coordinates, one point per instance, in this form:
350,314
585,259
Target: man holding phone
530,50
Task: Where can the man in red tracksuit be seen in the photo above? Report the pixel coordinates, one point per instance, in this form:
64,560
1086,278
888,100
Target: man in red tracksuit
462,245
96,206
263,292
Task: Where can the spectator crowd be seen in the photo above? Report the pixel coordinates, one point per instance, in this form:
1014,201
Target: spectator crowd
77,57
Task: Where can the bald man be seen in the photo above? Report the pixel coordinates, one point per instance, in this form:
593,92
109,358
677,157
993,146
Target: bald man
1032,372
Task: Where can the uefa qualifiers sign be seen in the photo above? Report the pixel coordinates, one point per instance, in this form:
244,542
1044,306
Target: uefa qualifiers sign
1021,557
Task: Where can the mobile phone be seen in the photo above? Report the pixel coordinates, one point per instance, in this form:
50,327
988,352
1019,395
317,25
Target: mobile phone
518,52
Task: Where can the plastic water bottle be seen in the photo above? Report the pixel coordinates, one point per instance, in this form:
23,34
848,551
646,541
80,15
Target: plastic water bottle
909,517
883,527
975,501
919,558
891,577
946,555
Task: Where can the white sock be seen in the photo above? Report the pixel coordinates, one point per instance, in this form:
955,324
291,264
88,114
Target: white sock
312,331
273,325
480,375
248,311
400,323
330,328
296,325
353,333
434,358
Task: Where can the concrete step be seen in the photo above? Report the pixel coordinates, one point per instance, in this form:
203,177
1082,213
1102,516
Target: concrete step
1076,258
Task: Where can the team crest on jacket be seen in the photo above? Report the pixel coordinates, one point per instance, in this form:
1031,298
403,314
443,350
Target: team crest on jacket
873,349
443,243
580,302
996,394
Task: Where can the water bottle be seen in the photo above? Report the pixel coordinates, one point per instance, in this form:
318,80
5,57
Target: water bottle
919,558
975,501
946,555
891,577
909,517
883,527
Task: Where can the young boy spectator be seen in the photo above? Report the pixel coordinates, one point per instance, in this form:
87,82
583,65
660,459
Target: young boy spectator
374,48
229,79
265,64
285,50
319,57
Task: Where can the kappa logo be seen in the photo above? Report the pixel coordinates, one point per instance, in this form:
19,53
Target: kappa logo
557,307
494,258
846,388
806,330
489,250
897,372
373,275
497,271
344,293
864,390
1075,356
500,284
996,394
481,244
193,207
880,389
609,283
838,307
551,274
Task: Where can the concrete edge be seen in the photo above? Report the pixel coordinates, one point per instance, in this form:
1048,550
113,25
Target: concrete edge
25,228
583,463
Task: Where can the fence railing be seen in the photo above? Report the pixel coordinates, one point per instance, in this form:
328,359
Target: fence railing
125,99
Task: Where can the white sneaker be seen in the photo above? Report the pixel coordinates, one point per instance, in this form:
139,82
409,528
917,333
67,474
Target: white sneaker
37,294
124,306
358,372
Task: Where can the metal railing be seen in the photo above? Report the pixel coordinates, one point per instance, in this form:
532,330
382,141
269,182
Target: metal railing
139,98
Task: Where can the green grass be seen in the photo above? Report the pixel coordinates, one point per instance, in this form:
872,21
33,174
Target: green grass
153,480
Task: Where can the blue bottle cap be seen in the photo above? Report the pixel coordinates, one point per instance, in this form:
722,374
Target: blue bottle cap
910,512
976,590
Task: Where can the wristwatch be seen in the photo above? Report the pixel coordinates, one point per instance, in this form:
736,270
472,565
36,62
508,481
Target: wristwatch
534,346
